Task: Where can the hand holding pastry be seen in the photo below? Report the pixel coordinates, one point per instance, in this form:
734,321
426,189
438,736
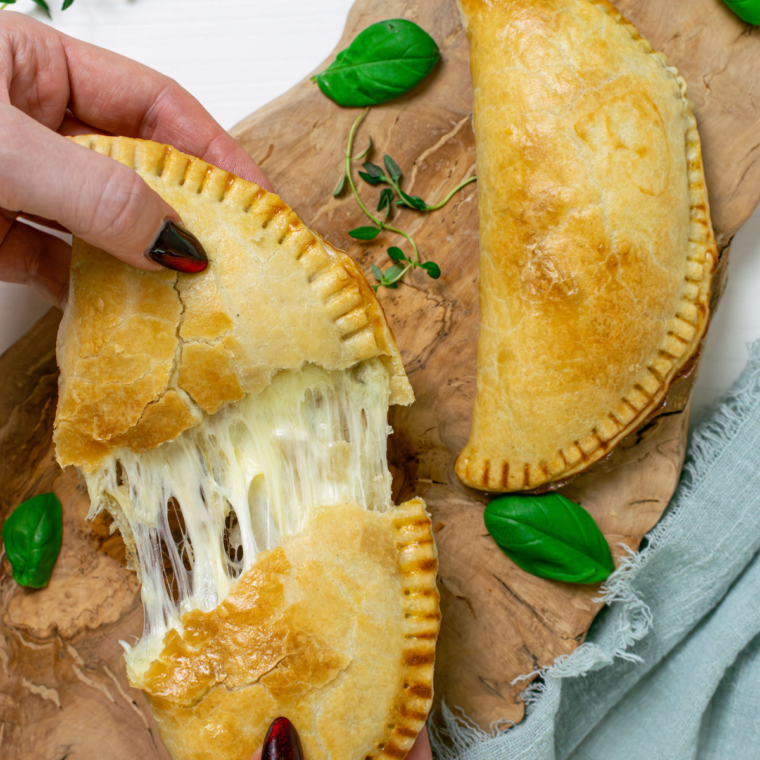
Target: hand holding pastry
52,85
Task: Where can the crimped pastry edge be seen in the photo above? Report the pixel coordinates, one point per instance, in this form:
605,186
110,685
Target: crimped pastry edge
418,566
686,330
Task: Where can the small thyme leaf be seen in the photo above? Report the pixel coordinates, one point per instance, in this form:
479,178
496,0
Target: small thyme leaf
339,187
432,269
374,170
392,168
412,201
392,273
364,233
386,196
378,273
370,180
396,254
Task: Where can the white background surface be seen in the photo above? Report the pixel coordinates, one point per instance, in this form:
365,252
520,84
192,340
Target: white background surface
236,55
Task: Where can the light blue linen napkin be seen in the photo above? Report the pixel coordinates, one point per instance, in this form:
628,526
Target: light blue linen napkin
671,668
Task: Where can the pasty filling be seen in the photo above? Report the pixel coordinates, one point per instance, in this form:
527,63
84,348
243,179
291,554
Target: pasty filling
199,509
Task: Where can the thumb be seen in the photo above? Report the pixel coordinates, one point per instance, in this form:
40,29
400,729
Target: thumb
98,199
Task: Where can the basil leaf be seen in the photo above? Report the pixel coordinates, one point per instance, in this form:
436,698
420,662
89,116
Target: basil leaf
386,196
32,538
746,10
432,269
392,168
384,61
42,4
550,536
396,254
377,273
66,4
364,233
339,187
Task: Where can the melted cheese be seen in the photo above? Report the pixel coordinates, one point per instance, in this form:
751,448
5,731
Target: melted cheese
244,480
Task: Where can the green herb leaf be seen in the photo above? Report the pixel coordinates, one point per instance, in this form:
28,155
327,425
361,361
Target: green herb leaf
369,179
396,254
32,538
432,269
42,4
384,61
374,171
746,10
392,168
66,4
339,187
364,233
386,196
393,272
377,273
413,201
550,536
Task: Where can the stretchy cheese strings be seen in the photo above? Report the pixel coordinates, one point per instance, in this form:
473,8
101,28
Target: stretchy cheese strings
313,438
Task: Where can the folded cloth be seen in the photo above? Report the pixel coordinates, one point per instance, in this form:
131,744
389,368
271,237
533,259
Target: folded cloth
671,667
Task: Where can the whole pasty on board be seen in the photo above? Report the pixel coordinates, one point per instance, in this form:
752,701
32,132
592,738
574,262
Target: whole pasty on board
234,423
596,247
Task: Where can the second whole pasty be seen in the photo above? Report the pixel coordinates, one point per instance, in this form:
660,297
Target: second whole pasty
595,236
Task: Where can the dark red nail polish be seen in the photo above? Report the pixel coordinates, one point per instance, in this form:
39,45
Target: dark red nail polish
178,249
282,742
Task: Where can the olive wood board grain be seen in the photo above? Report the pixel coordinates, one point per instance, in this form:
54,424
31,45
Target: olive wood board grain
63,688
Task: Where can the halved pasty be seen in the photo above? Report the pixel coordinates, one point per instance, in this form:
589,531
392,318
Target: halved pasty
595,236
234,423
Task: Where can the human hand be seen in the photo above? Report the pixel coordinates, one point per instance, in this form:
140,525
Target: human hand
52,85
282,743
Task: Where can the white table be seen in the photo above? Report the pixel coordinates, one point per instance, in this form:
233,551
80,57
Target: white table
275,43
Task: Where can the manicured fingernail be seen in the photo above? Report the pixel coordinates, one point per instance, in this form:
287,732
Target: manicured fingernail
282,742
178,249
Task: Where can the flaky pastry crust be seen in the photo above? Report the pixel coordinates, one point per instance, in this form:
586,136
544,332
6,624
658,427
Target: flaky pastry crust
335,630
596,242
144,355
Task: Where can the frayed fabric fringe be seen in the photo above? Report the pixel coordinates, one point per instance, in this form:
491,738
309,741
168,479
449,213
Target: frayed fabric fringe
456,734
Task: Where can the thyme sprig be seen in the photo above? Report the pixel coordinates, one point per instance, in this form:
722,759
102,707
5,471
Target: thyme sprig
390,196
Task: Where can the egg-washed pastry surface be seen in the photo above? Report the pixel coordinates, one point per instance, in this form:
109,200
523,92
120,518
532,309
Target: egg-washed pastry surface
144,355
278,577
595,236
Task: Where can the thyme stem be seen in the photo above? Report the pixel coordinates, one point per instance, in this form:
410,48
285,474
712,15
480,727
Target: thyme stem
349,171
452,194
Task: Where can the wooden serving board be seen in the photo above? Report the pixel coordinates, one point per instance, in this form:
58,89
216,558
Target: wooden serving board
63,691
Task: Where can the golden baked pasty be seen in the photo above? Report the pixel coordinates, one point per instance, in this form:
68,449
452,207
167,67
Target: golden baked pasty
234,423
596,247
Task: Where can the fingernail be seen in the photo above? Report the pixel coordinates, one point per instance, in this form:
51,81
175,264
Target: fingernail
178,249
282,742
